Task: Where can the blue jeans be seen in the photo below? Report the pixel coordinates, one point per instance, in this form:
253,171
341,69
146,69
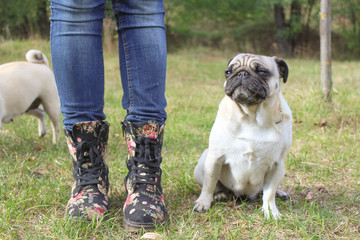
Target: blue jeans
77,58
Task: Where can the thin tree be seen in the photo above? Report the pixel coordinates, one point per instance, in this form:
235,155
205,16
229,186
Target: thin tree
325,48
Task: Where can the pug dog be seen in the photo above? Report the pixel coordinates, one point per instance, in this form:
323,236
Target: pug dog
251,135
26,85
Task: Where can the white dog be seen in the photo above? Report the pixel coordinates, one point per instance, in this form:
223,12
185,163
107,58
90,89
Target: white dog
251,135
26,85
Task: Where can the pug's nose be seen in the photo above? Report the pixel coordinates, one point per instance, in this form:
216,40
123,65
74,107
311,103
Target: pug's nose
243,74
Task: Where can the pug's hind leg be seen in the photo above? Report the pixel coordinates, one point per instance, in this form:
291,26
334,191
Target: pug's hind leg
222,193
40,114
282,195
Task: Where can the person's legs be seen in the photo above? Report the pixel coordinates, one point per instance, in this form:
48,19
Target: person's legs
77,58
76,49
142,53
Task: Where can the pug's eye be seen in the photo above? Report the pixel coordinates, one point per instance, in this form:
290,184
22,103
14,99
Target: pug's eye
262,72
227,73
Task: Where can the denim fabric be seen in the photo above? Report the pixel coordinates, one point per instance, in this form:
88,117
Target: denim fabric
77,58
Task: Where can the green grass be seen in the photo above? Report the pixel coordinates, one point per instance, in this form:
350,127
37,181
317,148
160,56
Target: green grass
322,169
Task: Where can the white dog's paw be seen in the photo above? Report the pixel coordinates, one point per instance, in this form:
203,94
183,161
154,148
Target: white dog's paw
221,196
282,195
275,213
42,133
202,205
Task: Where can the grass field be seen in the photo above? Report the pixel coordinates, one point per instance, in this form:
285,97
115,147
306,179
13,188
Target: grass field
322,168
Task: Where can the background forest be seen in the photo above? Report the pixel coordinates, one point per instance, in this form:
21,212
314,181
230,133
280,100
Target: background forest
288,28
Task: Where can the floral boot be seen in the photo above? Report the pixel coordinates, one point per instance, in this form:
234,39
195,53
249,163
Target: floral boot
87,145
144,207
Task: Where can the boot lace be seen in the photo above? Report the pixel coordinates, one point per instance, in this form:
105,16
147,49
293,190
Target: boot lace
147,161
95,166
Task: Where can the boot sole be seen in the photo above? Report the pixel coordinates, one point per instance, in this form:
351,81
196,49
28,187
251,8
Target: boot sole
136,227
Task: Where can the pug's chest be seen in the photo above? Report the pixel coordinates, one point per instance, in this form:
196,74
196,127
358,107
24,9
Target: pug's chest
255,143
248,160
254,155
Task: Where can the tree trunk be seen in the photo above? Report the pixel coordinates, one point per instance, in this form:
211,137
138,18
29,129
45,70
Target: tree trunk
295,24
306,37
280,24
325,48
43,20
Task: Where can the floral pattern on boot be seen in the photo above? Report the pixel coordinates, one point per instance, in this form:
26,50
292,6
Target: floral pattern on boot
144,206
87,144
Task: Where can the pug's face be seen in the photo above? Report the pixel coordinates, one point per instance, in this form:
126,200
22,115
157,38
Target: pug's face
251,79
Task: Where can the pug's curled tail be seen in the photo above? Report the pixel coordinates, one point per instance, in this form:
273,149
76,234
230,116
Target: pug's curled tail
36,56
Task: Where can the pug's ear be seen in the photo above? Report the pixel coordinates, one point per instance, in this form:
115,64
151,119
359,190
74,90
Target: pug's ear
283,68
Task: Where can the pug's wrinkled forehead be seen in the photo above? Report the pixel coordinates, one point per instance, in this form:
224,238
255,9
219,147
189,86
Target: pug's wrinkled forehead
248,59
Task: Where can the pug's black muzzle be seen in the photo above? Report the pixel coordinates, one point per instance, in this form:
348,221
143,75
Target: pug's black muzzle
246,87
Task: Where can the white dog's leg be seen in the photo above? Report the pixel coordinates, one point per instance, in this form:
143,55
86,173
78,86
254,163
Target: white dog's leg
200,168
52,110
39,113
55,124
271,183
219,193
56,130
211,169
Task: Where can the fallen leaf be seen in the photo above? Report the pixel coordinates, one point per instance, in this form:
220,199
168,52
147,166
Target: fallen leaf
309,196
